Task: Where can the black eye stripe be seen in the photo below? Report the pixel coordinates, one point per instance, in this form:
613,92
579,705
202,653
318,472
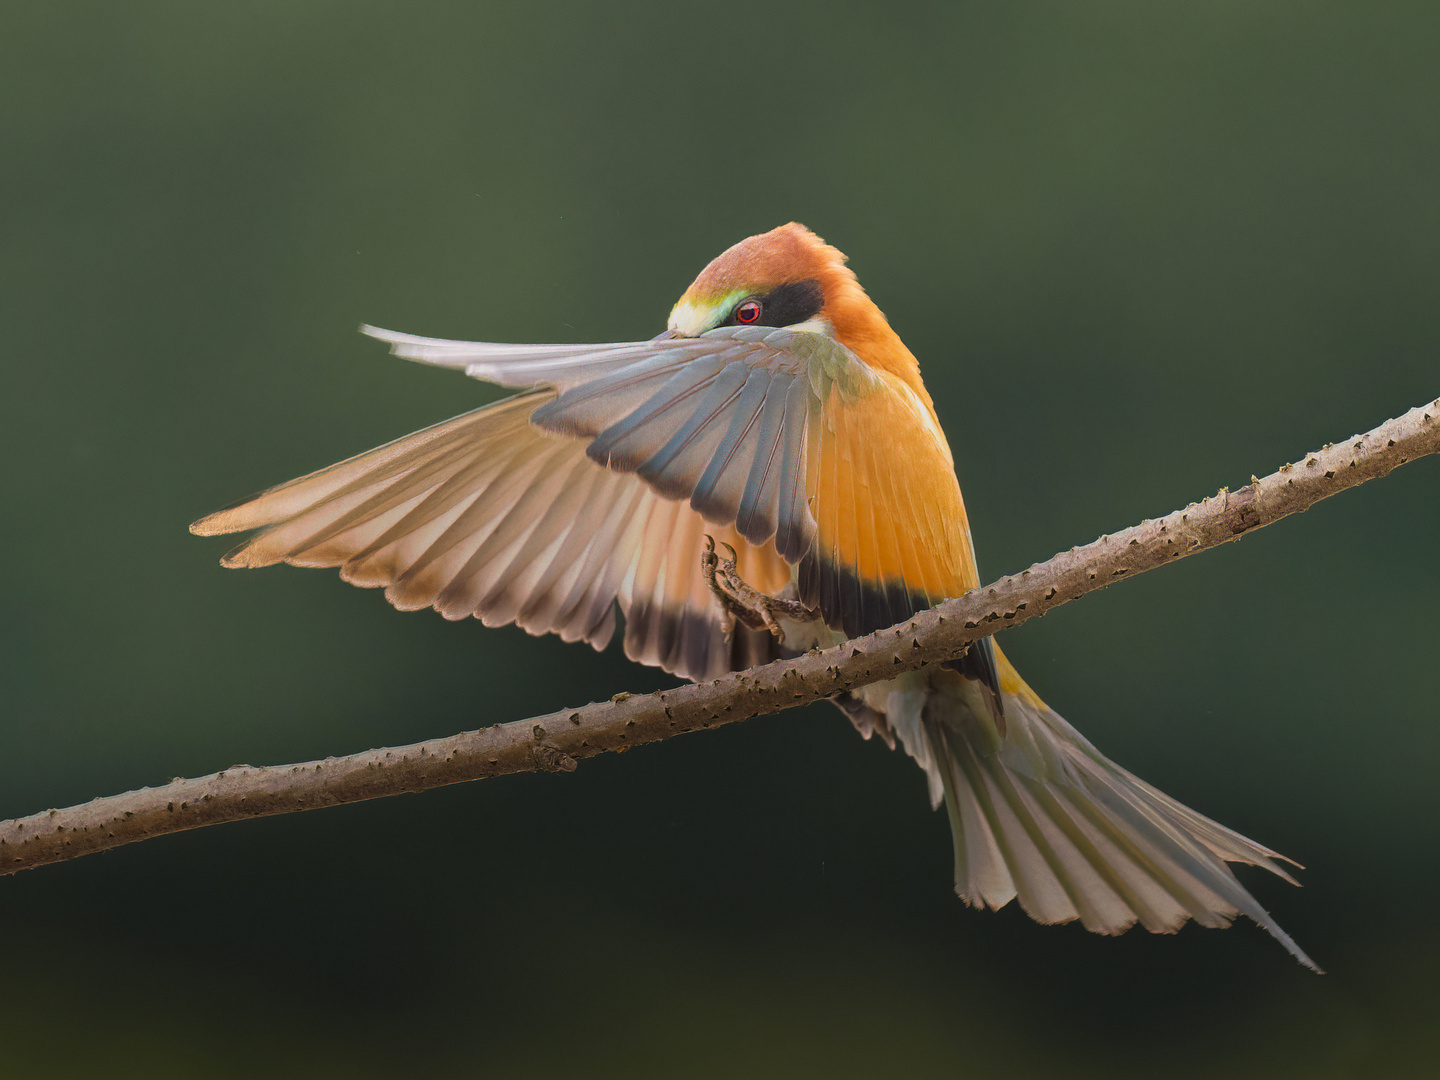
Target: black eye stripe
785,305
792,303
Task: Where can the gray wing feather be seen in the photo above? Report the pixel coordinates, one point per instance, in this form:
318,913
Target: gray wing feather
486,515
758,515
560,366
629,437
593,405
721,487
675,469
796,526
718,419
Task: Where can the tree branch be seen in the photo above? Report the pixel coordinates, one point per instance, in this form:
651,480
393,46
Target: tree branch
556,742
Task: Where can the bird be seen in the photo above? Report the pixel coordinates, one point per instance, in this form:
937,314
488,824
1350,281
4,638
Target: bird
766,475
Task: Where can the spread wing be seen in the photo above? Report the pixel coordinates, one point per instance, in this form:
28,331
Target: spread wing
786,435
716,420
598,484
485,515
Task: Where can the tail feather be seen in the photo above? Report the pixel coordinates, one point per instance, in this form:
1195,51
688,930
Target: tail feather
1058,872
1039,815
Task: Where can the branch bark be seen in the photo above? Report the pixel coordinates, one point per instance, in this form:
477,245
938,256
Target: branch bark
558,741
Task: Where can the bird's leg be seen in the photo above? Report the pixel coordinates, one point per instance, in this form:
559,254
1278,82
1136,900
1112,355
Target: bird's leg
709,566
740,600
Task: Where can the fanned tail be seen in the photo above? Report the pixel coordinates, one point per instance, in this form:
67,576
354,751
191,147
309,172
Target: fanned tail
1038,814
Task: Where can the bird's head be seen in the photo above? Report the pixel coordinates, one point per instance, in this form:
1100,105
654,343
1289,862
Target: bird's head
789,277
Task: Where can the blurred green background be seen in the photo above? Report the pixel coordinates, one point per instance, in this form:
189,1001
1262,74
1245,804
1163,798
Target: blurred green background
1142,252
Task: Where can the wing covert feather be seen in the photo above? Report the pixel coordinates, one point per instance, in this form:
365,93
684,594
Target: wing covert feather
724,429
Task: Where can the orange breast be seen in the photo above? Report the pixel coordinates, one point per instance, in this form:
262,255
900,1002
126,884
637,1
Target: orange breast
892,537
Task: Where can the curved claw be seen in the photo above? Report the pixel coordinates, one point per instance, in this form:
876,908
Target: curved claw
738,599
710,570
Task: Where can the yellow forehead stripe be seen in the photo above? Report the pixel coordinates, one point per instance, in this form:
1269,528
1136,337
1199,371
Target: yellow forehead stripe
692,315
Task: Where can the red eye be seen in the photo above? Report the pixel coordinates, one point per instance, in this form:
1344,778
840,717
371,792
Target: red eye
748,312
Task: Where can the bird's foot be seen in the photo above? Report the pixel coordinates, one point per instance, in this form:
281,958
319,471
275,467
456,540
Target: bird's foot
741,601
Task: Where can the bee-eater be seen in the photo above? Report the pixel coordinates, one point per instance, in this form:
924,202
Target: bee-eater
781,415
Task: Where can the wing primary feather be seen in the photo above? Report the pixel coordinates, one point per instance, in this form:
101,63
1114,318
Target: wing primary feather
757,517
626,444
606,555
717,494
490,508
515,365
585,410
512,584
466,592
413,485
796,525
669,469
464,484
285,501
307,538
642,597
882,611
486,513
605,559
580,557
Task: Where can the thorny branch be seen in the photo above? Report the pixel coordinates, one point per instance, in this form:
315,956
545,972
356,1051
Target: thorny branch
556,742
